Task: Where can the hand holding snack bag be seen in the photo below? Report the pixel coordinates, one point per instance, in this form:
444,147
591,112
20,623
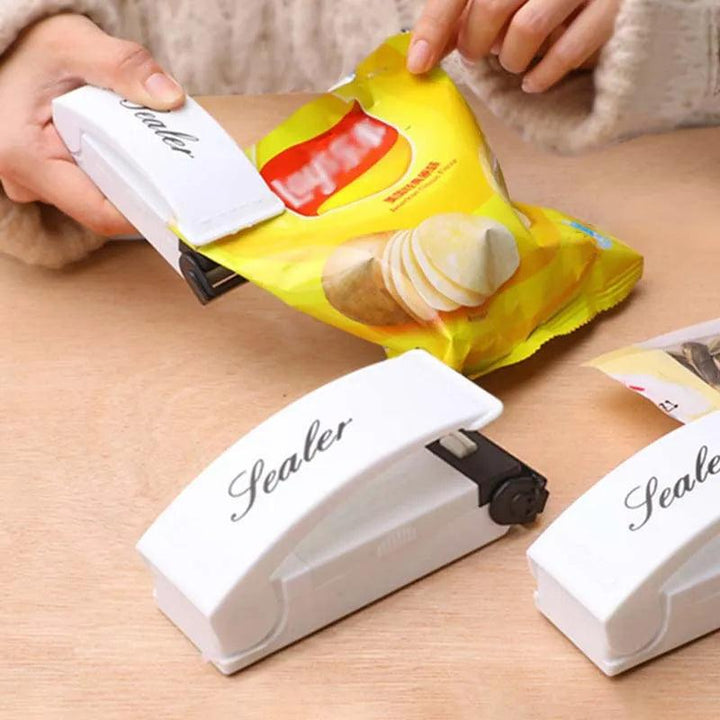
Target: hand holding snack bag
400,229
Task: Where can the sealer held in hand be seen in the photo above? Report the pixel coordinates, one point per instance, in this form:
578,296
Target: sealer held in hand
171,174
349,493
631,570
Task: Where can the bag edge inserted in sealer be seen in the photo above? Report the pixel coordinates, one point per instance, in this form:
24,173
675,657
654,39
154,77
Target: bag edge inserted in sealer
381,210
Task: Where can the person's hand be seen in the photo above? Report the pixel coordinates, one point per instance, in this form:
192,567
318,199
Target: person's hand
565,34
51,58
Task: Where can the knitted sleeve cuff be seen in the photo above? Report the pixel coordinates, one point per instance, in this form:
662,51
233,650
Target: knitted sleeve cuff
41,235
660,70
15,16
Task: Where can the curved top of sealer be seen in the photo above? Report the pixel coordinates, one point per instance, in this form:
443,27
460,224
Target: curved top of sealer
233,525
182,162
617,546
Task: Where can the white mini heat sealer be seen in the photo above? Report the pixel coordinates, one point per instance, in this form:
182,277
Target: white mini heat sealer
632,569
174,174
349,493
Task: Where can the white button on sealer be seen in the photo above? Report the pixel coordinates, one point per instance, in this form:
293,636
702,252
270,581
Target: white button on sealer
459,444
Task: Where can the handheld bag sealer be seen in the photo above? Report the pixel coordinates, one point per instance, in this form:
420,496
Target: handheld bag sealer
349,493
631,570
171,174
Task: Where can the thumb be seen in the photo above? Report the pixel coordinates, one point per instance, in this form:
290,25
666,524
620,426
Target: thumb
126,68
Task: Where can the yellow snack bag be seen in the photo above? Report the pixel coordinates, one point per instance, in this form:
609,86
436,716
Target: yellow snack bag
399,227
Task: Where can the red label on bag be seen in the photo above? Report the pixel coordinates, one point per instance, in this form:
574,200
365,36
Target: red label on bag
306,175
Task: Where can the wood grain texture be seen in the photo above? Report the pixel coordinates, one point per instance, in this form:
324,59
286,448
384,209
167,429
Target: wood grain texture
117,388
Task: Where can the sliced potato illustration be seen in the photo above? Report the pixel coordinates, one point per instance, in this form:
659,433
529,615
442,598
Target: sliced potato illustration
424,287
441,282
353,283
387,275
477,253
447,262
409,296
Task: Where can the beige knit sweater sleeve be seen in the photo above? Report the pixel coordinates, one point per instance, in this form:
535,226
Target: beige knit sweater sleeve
660,70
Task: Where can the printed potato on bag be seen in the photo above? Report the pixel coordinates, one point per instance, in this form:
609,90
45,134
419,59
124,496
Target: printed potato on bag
400,229
447,262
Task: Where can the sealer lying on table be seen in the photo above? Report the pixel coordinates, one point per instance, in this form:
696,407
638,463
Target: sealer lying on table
632,569
351,492
171,175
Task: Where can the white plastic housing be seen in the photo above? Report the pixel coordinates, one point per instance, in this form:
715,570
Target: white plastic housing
167,172
348,506
632,569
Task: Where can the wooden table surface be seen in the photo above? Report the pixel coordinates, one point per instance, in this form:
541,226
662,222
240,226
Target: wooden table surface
118,388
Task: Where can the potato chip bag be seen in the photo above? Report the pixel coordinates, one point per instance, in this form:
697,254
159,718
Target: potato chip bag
399,227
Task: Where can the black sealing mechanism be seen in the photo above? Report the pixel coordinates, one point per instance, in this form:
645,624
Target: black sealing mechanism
207,279
515,492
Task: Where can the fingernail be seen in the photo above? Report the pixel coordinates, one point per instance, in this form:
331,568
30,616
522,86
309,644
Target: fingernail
496,48
419,57
163,88
530,86
468,62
